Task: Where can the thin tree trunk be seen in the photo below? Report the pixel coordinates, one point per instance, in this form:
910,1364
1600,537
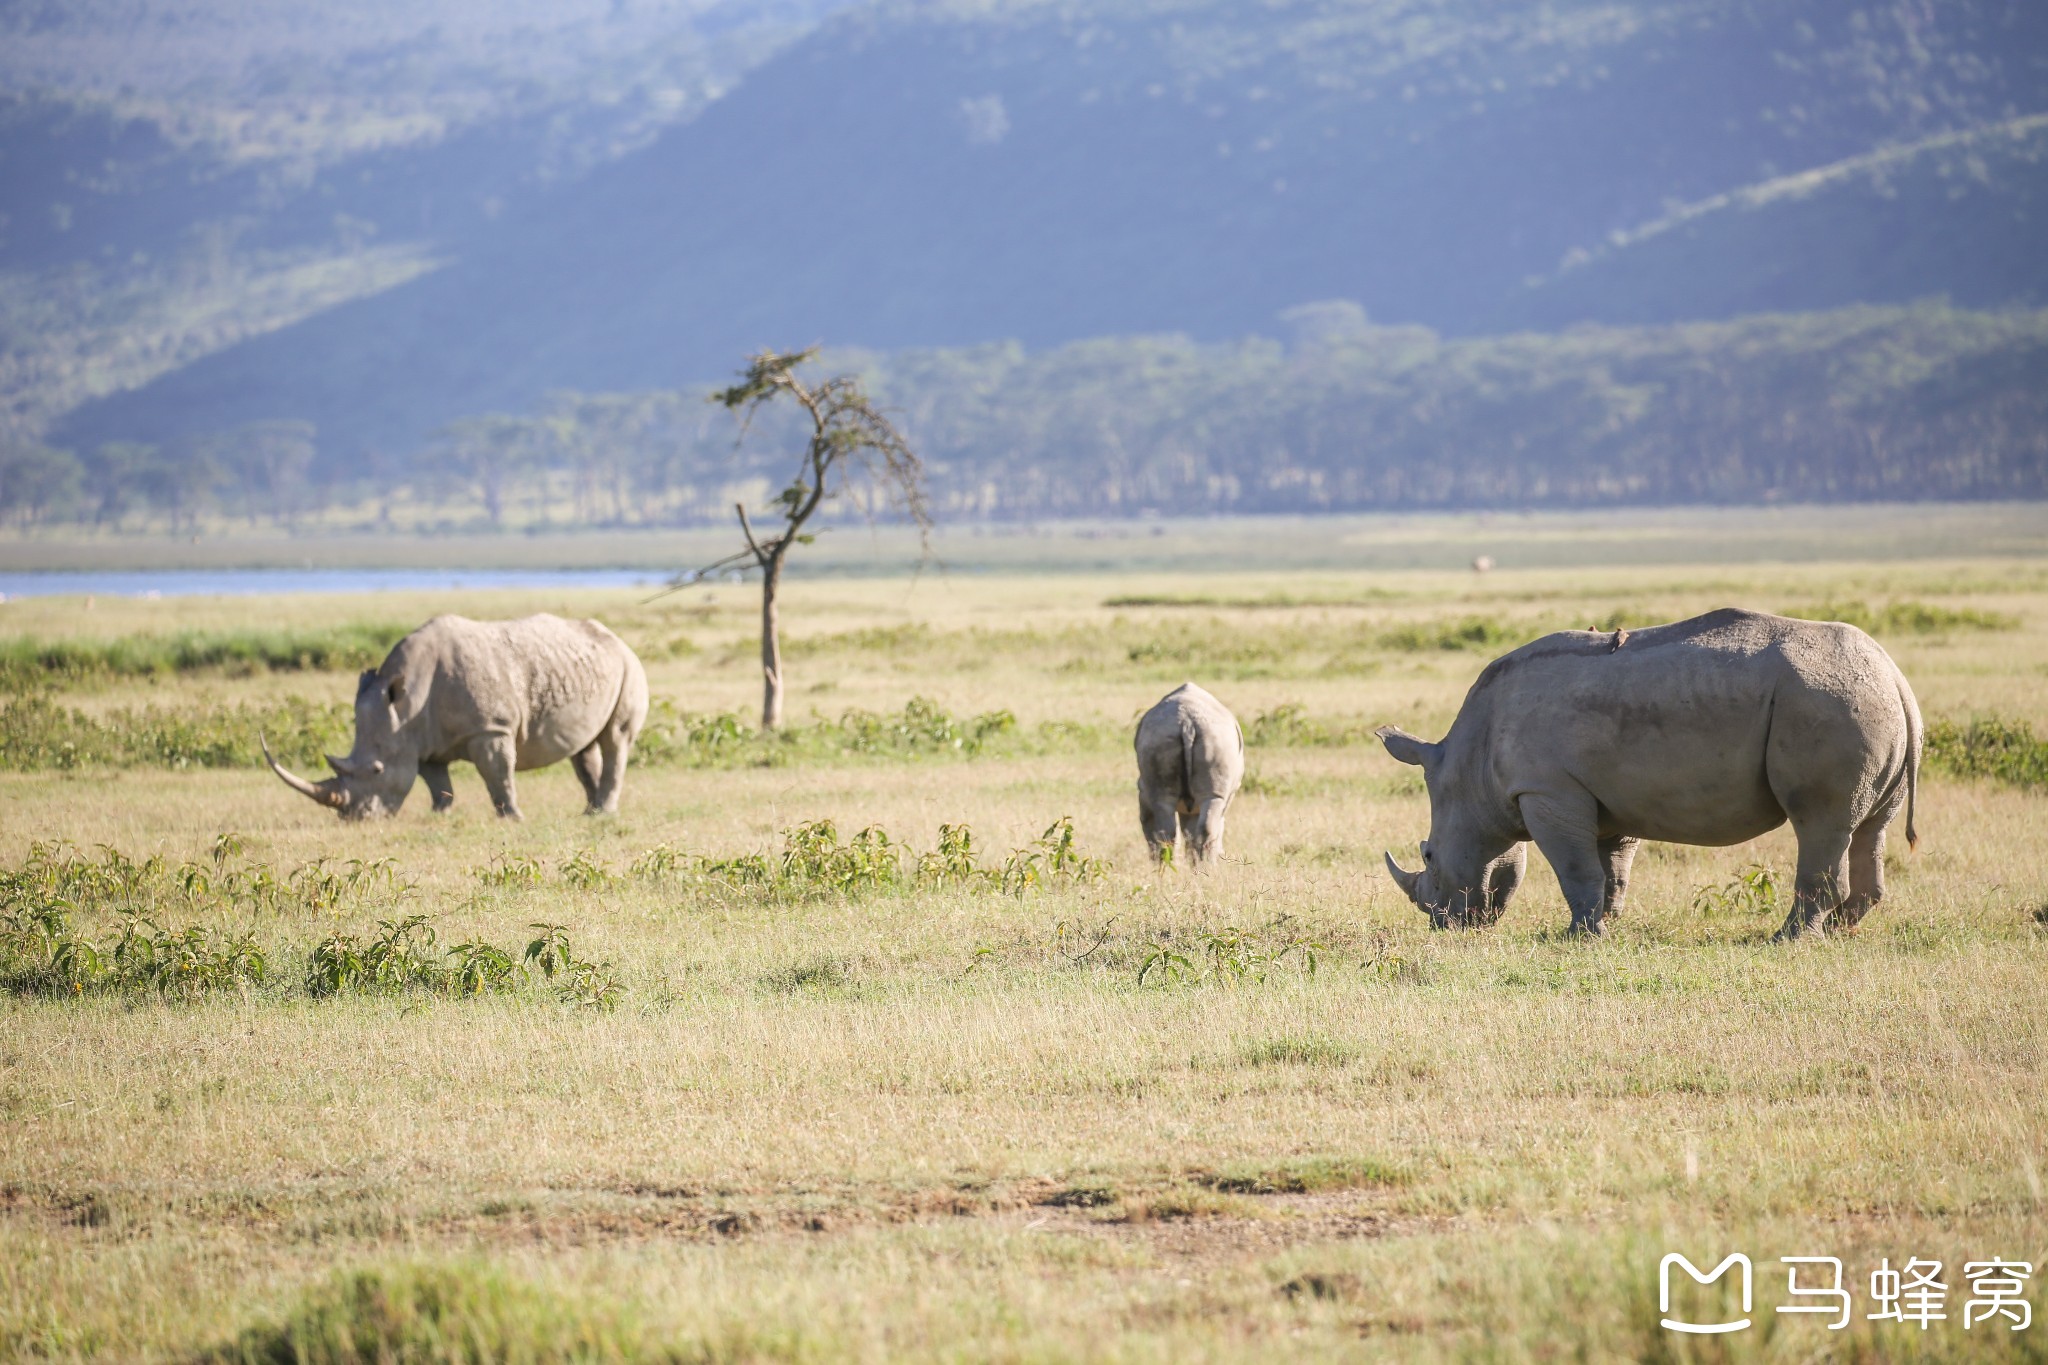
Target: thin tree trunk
771,645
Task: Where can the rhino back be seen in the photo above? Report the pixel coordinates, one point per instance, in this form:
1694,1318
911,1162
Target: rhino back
549,683
1189,743
1677,729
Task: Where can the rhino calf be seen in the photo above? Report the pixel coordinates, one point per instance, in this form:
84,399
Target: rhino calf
1190,762
1710,731
504,695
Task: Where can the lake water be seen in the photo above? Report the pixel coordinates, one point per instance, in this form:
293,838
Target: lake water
249,582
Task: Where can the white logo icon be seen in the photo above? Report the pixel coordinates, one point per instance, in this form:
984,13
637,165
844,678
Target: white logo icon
1702,1328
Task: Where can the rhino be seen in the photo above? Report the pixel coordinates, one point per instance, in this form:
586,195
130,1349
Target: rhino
506,696
1190,762
1710,731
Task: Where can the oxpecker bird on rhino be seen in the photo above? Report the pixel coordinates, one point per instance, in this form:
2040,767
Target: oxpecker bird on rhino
1190,762
504,695
1710,731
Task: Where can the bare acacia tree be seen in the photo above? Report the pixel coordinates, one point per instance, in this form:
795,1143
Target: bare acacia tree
849,439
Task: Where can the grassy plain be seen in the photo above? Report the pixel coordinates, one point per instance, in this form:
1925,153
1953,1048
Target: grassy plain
948,1121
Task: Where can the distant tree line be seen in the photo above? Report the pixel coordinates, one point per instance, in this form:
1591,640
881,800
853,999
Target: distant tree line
1865,403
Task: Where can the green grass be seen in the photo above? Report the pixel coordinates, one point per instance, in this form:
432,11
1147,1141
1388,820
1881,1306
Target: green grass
26,661
41,734
887,1077
1905,617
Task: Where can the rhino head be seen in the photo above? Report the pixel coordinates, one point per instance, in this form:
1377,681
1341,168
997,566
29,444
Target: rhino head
379,769
1471,865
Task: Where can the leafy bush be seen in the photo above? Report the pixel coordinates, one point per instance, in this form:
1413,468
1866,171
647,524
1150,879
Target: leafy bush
227,882
405,955
814,864
512,869
1752,891
1989,747
1227,956
42,954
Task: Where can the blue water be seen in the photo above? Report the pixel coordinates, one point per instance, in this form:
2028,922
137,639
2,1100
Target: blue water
247,582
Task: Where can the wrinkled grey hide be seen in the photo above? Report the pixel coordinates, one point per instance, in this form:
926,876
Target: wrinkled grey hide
1190,761
504,695
1710,731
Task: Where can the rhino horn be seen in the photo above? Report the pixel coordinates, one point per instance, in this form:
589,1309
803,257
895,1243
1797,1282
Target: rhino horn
327,793
348,767
1404,880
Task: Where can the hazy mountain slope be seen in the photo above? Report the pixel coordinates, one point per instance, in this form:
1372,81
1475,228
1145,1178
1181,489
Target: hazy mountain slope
1963,215
176,175
921,175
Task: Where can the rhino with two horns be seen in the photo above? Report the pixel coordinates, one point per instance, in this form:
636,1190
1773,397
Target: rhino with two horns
1709,731
505,695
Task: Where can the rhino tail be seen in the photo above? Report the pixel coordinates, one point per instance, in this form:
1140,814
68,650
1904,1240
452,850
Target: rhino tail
1187,760
1913,738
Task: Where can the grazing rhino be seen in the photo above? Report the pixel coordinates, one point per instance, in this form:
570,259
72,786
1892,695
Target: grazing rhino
1190,761
505,695
1708,731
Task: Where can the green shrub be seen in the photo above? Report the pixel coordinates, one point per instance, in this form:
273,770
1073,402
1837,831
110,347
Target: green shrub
451,1314
814,864
1227,956
227,882
1752,891
42,954
405,956
1989,747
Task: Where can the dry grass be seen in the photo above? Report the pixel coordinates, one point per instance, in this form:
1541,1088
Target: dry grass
953,1125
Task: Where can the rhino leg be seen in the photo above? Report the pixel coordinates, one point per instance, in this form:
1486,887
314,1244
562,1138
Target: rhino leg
494,756
1565,832
440,785
1618,854
1822,877
1866,871
589,766
602,769
1159,817
616,745
1203,830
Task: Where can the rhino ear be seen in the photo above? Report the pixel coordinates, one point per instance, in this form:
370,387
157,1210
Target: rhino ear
395,692
1408,749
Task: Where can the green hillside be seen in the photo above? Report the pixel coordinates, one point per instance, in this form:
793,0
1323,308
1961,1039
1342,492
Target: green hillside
1963,215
